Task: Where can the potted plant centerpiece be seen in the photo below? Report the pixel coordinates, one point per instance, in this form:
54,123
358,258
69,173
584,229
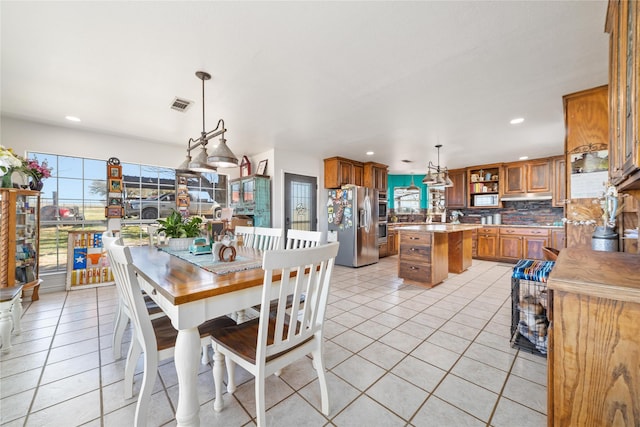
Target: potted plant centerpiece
180,230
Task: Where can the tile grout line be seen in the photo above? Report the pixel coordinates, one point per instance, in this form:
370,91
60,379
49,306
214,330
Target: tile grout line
46,359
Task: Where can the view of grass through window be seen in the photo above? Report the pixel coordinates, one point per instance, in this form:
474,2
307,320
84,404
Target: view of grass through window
75,196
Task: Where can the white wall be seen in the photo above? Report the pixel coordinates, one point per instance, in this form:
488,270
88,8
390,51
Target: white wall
301,164
22,136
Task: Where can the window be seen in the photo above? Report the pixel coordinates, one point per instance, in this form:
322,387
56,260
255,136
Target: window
406,201
74,198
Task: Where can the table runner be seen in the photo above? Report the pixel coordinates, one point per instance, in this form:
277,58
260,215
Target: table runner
207,262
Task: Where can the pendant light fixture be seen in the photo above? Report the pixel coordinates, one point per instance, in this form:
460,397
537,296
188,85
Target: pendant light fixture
437,176
205,162
413,186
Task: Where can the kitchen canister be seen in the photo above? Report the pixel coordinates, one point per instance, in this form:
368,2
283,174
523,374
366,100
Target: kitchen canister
483,220
489,219
497,218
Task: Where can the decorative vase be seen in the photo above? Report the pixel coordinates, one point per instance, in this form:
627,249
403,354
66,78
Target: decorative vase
36,184
180,243
604,239
19,179
6,180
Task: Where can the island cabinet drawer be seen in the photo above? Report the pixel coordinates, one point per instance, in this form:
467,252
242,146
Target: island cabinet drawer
415,238
419,252
487,230
415,271
542,232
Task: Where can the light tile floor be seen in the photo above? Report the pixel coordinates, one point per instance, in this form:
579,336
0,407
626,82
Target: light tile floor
397,355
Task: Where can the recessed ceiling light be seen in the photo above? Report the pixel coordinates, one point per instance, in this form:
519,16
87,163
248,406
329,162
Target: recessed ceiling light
72,118
517,121
524,157
370,153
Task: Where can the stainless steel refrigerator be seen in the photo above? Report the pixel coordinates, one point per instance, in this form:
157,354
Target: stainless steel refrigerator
353,220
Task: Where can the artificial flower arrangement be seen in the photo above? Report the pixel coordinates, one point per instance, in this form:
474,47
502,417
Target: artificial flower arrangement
11,162
38,171
603,213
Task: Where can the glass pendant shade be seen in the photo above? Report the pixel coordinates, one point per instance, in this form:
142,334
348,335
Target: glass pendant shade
221,156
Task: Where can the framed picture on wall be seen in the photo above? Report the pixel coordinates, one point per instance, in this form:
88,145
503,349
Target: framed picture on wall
115,185
114,171
113,211
262,167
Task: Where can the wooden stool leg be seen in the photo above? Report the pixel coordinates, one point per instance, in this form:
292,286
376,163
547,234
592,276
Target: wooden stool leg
34,295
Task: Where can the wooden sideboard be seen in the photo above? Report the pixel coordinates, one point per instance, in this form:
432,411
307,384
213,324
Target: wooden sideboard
594,339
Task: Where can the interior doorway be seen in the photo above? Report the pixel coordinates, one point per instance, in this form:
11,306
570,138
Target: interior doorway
300,202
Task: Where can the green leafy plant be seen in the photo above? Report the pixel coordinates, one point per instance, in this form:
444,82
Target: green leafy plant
176,226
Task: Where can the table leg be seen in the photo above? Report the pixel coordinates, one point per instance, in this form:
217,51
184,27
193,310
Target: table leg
187,357
5,326
16,314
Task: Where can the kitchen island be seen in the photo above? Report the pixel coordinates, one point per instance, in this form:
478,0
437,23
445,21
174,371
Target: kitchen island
429,252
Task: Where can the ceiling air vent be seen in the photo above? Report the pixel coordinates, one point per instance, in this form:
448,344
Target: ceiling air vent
180,104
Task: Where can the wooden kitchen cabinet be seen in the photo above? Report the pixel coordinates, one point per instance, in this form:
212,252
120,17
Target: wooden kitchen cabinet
375,176
623,25
557,239
586,115
456,196
514,178
483,186
522,243
527,177
392,242
339,171
593,363
559,182
538,176
20,239
487,242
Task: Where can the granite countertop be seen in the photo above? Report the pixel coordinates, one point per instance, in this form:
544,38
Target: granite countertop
438,227
405,224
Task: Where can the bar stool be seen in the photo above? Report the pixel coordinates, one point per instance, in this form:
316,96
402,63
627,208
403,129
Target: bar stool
10,314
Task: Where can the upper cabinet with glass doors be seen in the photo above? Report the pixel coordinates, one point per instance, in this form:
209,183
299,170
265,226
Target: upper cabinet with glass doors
251,196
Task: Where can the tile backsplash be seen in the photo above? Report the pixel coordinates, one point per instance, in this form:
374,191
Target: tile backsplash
535,212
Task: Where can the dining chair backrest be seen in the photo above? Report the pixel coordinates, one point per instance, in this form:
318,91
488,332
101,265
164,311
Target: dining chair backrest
267,239
246,233
154,238
317,263
126,280
283,333
300,239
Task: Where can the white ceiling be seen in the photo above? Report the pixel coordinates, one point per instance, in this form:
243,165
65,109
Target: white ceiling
328,78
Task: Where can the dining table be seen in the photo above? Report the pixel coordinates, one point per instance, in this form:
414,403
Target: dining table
191,294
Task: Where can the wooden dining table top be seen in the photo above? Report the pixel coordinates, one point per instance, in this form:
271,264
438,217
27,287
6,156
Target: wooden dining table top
181,282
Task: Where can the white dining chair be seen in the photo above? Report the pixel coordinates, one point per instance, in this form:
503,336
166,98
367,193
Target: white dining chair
154,338
246,233
300,239
267,239
123,315
274,340
154,238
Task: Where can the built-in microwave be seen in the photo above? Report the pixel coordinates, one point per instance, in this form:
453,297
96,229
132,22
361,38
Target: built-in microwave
485,200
